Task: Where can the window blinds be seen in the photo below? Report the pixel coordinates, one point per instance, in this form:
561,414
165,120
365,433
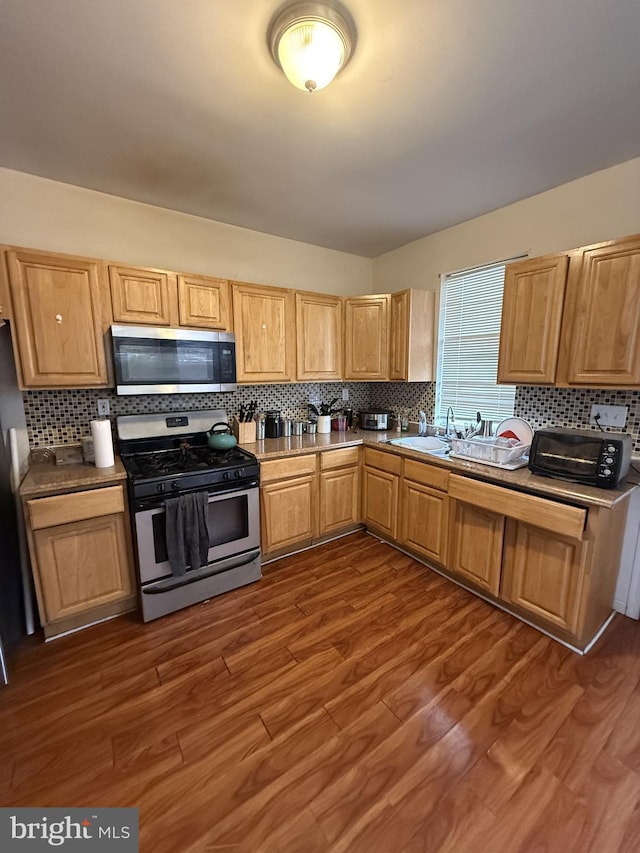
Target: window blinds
469,336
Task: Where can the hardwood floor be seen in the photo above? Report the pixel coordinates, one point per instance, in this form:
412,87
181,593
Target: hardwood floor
352,700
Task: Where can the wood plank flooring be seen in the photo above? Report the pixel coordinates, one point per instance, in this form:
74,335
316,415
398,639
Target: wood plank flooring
353,700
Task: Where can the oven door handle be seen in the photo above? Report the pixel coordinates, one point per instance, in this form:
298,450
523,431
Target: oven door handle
199,574
155,503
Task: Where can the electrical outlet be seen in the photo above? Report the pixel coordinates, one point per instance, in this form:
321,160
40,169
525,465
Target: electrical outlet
345,394
103,408
612,416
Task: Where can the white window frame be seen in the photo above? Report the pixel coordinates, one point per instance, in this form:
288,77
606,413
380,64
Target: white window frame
497,401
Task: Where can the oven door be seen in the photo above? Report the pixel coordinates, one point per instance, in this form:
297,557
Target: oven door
234,528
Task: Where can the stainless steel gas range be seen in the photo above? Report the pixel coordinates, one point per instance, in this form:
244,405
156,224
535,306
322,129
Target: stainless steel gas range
166,457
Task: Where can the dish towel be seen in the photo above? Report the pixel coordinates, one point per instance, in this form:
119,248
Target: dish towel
187,533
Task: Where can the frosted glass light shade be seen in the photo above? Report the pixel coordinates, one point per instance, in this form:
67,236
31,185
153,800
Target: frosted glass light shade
311,53
311,42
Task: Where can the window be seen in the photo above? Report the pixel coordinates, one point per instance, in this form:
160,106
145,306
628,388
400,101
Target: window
470,310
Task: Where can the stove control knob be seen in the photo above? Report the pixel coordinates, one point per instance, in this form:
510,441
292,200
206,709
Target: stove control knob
160,487
239,473
226,475
175,486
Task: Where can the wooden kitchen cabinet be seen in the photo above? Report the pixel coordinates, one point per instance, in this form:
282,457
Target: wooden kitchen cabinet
424,515
476,540
366,345
339,490
543,574
81,557
411,335
532,307
601,332
264,323
319,337
5,299
58,340
204,302
380,490
288,503
573,319
141,296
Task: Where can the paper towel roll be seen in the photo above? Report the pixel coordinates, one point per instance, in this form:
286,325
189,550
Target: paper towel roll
102,443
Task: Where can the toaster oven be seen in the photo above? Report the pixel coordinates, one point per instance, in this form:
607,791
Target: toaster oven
581,456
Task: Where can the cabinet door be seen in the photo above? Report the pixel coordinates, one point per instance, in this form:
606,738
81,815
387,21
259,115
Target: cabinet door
532,307
83,565
425,519
411,336
475,545
604,295
56,308
380,501
288,510
339,499
204,303
140,296
543,574
318,336
366,337
263,319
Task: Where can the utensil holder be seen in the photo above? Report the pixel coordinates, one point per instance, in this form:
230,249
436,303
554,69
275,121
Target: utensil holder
244,432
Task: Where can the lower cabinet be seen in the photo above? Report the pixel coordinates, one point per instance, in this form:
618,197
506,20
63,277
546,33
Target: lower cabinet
475,551
339,490
81,556
287,503
424,510
380,489
299,505
543,574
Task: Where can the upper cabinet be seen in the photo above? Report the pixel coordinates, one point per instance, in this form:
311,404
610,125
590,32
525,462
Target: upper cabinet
318,337
150,297
5,299
58,321
412,329
140,295
367,337
531,320
603,314
574,319
264,323
203,302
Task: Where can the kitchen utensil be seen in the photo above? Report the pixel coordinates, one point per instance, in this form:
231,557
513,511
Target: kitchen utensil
487,428
297,428
260,426
339,423
312,427
272,424
242,413
287,423
220,437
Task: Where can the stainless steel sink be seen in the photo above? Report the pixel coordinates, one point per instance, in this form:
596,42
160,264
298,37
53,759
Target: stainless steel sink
423,444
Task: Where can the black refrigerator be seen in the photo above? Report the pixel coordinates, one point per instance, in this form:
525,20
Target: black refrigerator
14,572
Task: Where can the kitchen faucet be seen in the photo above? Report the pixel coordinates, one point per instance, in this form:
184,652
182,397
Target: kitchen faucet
453,418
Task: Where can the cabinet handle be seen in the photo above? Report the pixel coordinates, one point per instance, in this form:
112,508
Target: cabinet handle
58,318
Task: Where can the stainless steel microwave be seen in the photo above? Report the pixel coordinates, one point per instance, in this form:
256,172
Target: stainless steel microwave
153,360
581,456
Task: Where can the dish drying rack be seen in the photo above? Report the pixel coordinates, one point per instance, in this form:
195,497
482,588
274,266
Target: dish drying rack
488,452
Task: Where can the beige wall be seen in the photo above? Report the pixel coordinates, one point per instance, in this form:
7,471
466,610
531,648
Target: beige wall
600,207
43,214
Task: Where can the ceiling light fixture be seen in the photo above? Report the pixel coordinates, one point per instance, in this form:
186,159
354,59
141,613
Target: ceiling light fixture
311,42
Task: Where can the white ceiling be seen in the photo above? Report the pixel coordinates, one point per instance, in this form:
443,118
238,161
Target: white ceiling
447,110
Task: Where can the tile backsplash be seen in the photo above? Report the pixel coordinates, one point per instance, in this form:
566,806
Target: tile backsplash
62,417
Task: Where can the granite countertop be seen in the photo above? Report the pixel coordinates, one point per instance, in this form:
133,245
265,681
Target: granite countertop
46,478
522,479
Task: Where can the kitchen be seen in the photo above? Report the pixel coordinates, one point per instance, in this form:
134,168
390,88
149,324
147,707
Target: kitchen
44,214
